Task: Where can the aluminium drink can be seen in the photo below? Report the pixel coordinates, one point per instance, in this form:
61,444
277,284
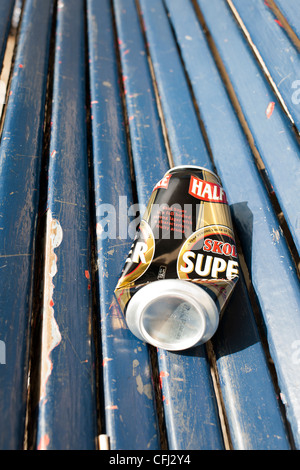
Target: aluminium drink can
183,265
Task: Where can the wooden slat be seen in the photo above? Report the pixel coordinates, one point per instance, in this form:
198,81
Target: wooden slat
144,123
187,374
67,416
280,56
20,159
179,114
130,418
252,405
243,351
263,244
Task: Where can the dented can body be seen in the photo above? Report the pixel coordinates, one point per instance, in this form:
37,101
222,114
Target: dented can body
183,264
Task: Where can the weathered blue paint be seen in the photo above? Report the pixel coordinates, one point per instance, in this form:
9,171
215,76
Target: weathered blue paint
180,373
266,253
148,148
6,10
129,404
67,417
251,403
184,135
67,408
264,115
278,53
259,424
20,157
290,10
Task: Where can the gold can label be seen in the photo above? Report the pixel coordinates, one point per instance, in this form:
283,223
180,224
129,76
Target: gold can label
186,233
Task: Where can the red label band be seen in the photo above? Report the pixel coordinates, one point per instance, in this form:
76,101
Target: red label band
219,247
163,183
206,191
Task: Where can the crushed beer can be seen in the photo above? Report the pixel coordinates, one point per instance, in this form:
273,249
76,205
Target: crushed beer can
183,263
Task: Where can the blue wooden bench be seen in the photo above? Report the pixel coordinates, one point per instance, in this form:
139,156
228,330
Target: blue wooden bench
104,97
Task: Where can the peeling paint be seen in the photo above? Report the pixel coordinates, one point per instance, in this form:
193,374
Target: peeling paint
143,389
139,383
51,336
147,390
135,364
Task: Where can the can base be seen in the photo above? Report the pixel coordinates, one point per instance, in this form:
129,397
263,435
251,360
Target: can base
172,314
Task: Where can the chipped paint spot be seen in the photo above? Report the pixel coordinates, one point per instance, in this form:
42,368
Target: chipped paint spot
51,336
111,407
270,109
106,360
275,235
279,23
165,400
88,277
161,376
44,442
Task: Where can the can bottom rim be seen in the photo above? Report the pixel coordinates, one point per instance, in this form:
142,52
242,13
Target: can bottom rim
172,314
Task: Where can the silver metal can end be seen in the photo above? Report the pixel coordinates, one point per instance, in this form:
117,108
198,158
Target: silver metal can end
172,314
